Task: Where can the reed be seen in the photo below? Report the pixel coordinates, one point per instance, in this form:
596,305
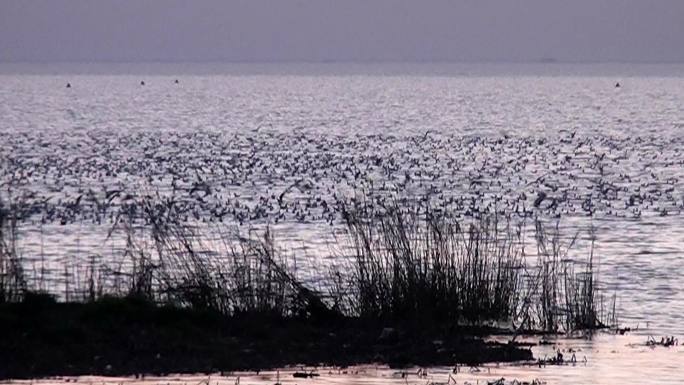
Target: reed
406,262
421,264
175,264
561,293
13,282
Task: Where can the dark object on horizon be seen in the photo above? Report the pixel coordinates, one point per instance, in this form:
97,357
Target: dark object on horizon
176,81
142,82
617,85
310,374
68,85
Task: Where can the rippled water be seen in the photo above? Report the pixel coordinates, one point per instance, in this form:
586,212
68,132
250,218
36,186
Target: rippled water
268,145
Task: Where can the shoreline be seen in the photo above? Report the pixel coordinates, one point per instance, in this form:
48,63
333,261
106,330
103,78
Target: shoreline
128,337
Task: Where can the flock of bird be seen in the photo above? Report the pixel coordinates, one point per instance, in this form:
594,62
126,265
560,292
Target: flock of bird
263,176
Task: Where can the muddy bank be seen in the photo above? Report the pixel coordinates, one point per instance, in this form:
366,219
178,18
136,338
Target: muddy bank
128,336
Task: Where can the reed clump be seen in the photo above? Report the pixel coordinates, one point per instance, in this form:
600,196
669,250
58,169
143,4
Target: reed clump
561,294
421,264
173,264
12,278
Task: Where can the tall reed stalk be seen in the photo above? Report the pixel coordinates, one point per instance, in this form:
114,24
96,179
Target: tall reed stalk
13,283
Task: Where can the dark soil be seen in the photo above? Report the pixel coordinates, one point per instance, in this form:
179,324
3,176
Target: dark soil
40,337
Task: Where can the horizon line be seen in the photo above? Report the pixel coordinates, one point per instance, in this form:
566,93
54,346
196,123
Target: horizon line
549,61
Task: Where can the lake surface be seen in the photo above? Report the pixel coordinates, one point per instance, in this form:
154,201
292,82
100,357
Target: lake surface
253,145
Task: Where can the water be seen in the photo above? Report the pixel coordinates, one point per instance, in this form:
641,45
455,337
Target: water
269,144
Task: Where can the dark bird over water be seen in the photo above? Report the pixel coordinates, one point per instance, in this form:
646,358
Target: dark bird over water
540,199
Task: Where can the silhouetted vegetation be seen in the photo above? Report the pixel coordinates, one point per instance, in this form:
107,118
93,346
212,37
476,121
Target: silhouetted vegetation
126,336
433,268
412,276
12,279
425,265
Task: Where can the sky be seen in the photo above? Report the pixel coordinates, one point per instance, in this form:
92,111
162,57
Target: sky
341,30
